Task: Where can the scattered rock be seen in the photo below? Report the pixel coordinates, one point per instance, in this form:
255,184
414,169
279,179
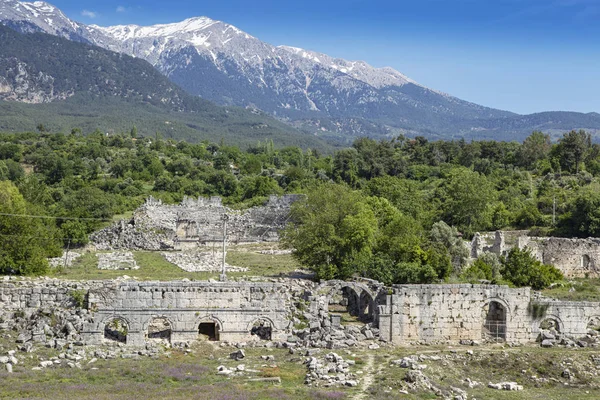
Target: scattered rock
505,386
237,355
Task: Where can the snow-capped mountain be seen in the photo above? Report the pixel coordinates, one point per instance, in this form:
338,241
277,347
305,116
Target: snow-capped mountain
219,62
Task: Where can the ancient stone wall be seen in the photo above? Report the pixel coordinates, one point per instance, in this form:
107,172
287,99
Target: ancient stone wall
576,258
21,295
232,307
157,226
454,313
183,311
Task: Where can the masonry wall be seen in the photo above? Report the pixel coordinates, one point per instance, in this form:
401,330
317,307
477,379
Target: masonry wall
158,226
451,313
234,307
576,258
35,294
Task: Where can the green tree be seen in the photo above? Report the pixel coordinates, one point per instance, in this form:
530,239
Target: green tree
449,238
535,147
522,269
334,231
26,242
468,199
572,149
583,216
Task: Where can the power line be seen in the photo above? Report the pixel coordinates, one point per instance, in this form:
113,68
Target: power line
53,217
36,237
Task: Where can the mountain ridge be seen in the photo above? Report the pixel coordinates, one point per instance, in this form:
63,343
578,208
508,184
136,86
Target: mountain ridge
63,84
219,62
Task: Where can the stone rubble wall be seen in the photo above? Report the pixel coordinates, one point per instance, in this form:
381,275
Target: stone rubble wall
118,260
158,226
576,258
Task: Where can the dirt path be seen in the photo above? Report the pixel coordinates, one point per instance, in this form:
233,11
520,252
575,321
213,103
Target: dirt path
368,377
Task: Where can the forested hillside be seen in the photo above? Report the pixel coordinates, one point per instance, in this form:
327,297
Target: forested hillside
62,84
392,210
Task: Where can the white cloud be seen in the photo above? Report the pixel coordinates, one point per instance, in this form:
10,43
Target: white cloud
89,14
121,9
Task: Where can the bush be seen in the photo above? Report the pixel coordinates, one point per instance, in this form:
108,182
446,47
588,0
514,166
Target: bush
522,269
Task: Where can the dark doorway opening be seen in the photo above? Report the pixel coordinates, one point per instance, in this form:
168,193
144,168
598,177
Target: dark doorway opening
210,330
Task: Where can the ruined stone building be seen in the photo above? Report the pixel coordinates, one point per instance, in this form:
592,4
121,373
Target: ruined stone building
158,226
183,311
575,258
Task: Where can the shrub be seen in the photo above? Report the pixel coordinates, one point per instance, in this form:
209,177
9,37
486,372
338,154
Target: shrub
522,269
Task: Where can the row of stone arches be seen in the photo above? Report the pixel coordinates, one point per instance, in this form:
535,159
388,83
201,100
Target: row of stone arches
161,329
352,299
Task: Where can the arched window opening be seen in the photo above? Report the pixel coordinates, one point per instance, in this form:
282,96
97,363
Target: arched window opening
160,329
494,326
262,329
116,330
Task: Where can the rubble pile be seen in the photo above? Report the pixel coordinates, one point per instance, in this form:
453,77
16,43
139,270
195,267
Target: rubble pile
331,370
118,260
196,261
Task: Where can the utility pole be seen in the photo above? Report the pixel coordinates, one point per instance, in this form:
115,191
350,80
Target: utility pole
67,255
223,276
554,211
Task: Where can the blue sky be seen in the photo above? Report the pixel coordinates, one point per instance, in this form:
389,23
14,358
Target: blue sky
519,55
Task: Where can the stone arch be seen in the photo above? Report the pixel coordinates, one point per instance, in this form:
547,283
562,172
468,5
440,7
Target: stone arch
359,298
495,314
551,323
209,327
159,328
262,328
366,305
116,329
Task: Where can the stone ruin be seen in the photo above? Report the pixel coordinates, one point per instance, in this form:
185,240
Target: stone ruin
158,226
198,261
118,260
298,313
575,258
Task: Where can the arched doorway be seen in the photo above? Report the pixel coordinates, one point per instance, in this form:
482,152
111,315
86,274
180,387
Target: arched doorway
345,302
159,328
209,330
366,307
116,330
494,325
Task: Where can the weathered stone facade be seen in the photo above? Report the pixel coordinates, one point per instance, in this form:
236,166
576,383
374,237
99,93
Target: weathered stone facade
158,226
232,307
182,311
454,313
576,258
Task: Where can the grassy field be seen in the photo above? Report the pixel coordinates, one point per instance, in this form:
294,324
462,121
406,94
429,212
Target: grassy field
153,266
172,375
579,289
192,374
